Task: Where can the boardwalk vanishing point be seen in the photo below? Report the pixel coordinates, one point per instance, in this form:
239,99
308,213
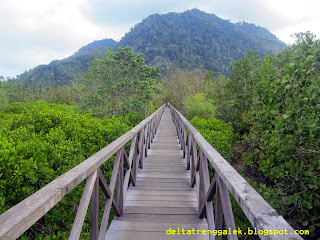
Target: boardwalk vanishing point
163,198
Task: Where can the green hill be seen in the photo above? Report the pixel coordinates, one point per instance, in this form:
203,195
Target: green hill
194,38
64,72
184,40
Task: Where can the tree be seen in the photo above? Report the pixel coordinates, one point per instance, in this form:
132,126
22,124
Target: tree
180,84
286,128
234,97
199,106
117,83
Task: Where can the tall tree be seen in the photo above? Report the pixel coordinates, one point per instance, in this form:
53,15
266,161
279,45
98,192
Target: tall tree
117,83
180,84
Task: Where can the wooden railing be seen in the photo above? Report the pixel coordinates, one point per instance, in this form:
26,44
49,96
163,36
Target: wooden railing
21,217
226,179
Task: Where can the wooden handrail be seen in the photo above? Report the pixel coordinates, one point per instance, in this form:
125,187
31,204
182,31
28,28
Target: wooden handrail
260,214
21,217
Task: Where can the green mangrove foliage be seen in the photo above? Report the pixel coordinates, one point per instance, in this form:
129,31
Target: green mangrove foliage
234,96
286,131
198,105
39,142
219,134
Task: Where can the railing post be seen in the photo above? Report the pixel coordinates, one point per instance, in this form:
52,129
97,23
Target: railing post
146,141
106,213
119,184
83,206
193,161
94,216
140,147
188,150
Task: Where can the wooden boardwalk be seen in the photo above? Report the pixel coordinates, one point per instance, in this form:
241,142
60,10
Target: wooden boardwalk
162,198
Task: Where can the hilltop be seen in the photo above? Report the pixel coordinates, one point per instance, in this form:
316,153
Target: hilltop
184,40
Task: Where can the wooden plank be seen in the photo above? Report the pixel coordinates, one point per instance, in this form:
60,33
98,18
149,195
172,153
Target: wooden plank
106,213
153,227
183,198
161,180
209,206
162,188
219,212
160,210
161,146
125,158
140,148
125,235
129,174
83,207
164,170
176,185
165,159
163,167
193,162
157,218
163,175
161,203
211,191
164,193
94,216
168,164
227,209
119,184
201,184
105,189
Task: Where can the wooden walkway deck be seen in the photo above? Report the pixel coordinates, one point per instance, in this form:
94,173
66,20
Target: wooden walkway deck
162,198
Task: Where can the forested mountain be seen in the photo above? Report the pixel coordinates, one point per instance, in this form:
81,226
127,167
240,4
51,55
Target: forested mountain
193,38
175,40
61,72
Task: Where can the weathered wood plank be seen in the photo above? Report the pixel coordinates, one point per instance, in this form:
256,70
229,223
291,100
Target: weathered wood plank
83,207
175,185
182,198
94,216
129,174
166,170
119,184
162,188
153,227
160,210
227,209
106,213
164,193
160,203
125,235
157,218
209,205
161,180
105,189
164,175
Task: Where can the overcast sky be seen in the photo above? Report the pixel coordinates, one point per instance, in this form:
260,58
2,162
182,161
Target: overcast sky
36,32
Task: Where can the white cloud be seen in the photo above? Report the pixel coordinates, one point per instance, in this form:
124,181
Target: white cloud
36,32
